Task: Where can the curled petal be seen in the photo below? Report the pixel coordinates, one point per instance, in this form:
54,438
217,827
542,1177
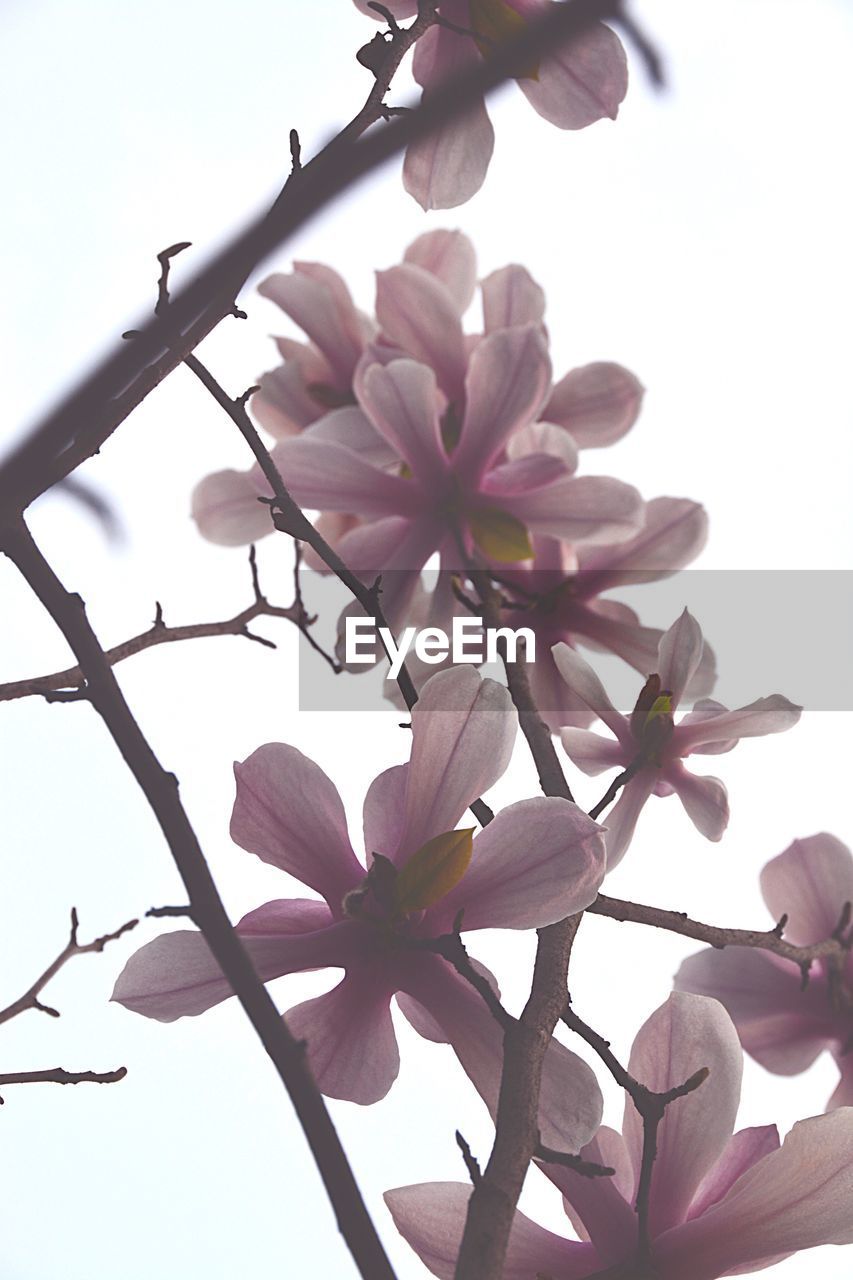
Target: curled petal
317,299
809,883
536,862
226,509
597,403
450,257
351,1046
511,297
584,81
289,814
687,1033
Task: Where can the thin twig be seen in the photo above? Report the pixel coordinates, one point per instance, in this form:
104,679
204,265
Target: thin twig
73,948
58,1075
620,781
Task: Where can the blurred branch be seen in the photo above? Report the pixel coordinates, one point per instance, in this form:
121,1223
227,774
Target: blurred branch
73,947
78,427
162,793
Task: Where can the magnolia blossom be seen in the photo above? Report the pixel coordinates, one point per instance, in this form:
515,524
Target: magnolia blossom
781,1023
580,83
721,1203
651,746
538,861
559,597
419,307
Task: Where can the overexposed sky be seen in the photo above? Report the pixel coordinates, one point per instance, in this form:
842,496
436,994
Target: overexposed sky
702,240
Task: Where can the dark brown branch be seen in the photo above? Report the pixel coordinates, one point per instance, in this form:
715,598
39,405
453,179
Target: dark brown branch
58,1075
834,949
613,790
73,947
651,1107
161,791
78,427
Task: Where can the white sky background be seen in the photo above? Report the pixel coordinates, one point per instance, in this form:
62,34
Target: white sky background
702,240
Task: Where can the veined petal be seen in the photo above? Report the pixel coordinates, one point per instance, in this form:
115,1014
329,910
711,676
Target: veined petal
384,807
351,428
674,532
679,655
431,1218
351,1046
544,437
289,814
590,752
583,681
581,509
687,1033
599,1208
536,862
450,165
809,883
523,475
508,377
766,715
795,1198
176,975
705,800
284,405
511,297
463,729
620,821
450,257
402,401
226,509
317,299
584,81
780,1025
418,315
745,1149
329,477
597,403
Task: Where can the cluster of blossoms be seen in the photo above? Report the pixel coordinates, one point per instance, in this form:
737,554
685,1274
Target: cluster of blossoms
414,439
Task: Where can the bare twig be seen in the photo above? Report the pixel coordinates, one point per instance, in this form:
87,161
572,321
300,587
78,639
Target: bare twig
58,1075
161,791
472,1164
613,790
73,947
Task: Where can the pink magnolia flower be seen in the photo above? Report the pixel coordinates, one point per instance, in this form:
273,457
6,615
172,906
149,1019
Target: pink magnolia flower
782,1024
455,489
536,862
559,598
582,82
721,1203
652,746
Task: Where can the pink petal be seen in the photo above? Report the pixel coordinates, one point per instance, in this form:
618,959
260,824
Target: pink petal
810,883
581,509
620,821
176,976
317,299
745,1149
767,715
679,655
384,806
843,1095
284,405
402,401
674,532
570,1100
329,477
351,1046
450,257
536,862
610,627
351,428
511,297
289,814
544,437
781,1026
590,752
449,166
395,549
423,1021
463,729
597,403
418,315
226,509
583,681
796,1198
599,1208
703,710
519,477
508,377
555,701
431,1218
705,800
686,1034
582,82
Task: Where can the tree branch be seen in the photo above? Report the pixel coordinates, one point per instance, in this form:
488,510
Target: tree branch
58,1075
161,790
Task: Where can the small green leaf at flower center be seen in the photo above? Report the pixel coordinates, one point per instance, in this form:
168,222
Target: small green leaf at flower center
431,872
494,22
499,535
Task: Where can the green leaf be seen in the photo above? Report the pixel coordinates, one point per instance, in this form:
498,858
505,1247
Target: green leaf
434,870
495,21
499,535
